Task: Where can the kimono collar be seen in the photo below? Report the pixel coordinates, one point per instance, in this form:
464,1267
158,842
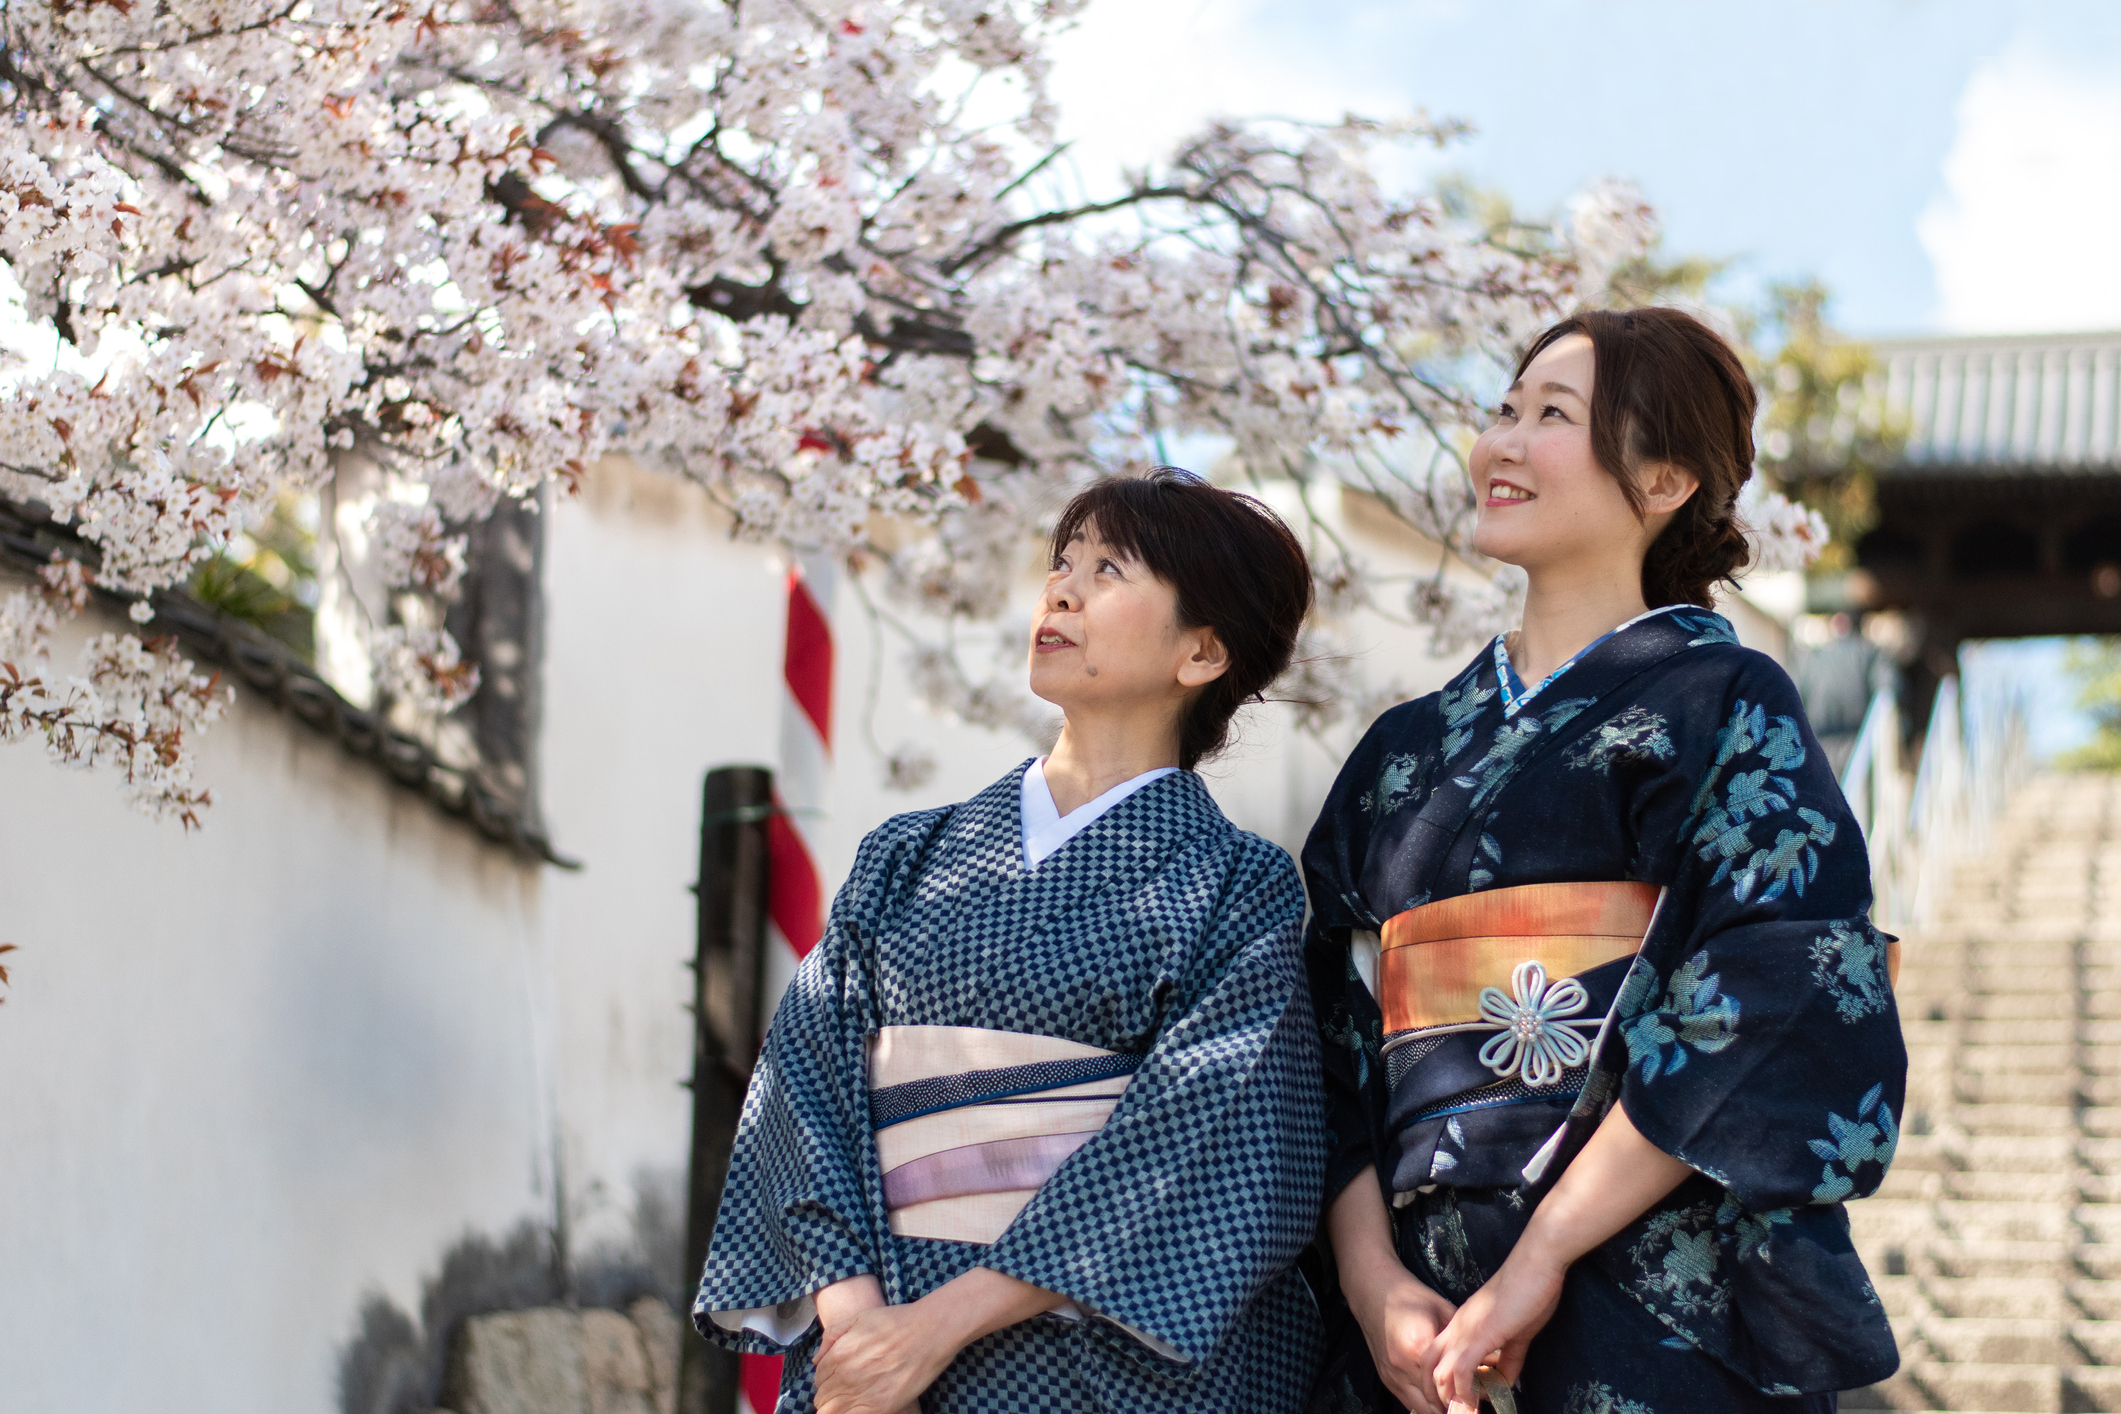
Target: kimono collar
1045,829
1514,693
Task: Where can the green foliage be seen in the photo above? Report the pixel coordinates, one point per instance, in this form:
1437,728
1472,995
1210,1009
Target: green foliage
1824,431
268,576
2095,663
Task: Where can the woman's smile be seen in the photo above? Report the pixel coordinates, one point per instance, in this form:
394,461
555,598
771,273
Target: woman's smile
1505,493
1051,640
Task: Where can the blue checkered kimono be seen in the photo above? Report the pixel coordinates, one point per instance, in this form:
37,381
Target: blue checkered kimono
1754,1035
1161,931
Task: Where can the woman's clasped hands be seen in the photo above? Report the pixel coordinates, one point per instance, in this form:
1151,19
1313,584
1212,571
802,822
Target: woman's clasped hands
878,1362
1429,1354
876,1358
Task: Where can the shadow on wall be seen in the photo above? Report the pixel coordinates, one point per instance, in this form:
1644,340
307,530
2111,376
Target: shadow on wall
396,1365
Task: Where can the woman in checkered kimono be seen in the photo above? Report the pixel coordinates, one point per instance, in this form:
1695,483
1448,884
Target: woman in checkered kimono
1036,1127
1609,1036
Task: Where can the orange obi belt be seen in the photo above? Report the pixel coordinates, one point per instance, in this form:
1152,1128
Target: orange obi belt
1505,961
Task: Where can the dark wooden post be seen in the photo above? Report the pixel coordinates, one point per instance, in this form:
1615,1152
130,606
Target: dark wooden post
727,977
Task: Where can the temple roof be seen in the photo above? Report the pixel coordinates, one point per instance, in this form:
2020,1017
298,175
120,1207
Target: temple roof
2009,405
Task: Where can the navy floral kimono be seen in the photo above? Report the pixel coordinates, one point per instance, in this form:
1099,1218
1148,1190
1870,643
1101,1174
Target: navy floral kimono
1099,1075
1753,1035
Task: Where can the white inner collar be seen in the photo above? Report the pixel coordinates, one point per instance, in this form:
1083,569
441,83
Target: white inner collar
1046,829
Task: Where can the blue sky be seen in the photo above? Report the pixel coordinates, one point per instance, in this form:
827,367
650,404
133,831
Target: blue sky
1942,164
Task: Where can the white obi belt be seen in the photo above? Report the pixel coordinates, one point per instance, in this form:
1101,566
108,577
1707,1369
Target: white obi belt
969,1122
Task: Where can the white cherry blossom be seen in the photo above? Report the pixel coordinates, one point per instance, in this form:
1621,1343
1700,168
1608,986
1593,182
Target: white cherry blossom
758,244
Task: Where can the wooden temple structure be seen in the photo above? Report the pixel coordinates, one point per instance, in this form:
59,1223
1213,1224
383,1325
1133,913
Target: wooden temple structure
2002,517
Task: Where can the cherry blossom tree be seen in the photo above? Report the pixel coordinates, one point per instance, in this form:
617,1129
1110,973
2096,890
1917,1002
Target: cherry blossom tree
823,259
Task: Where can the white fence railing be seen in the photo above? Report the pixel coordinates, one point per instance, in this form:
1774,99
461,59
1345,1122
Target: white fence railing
1919,827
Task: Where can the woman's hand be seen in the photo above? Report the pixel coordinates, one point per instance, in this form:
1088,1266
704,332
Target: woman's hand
1617,1178
1399,1316
1496,1325
1400,1321
880,1358
880,1361
842,1301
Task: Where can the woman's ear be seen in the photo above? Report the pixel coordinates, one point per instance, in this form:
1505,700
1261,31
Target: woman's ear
1206,659
1665,487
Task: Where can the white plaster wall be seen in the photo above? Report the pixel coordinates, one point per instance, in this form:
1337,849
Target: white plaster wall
248,1075
663,660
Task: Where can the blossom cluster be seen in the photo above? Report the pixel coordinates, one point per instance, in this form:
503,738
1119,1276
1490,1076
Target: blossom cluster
761,244
128,708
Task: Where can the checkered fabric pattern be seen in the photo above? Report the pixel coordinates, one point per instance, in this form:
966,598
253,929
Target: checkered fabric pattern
1160,931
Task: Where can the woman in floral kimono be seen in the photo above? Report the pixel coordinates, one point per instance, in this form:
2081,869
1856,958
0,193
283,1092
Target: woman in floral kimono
1608,1034
1037,1125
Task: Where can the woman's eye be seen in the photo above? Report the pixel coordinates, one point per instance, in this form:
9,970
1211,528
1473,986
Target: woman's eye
1104,565
1505,412
1551,411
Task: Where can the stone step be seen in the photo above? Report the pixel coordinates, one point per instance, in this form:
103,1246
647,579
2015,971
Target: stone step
1995,1242
1936,1384
2022,1389
1907,1185
2037,1153
2060,1086
2040,1153
2060,1261
1940,1050
1978,1298
1926,1257
1976,1221
2063,1299
2013,1340
2103,1121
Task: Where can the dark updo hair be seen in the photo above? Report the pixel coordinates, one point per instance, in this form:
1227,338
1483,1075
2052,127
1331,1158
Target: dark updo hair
1667,388
1234,568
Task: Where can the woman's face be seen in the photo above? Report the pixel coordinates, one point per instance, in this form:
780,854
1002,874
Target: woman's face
1543,498
1107,634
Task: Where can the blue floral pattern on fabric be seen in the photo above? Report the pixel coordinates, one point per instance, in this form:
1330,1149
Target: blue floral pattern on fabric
1852,1146
1693,1018
1637,734
1849,964
1756,1009
1722,833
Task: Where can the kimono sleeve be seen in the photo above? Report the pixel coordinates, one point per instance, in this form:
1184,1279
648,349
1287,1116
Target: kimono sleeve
796,1214
1762,1044
1350,1023
1202,1187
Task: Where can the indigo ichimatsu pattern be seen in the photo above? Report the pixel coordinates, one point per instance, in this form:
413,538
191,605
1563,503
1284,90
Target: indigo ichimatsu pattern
1160,931
1756,1040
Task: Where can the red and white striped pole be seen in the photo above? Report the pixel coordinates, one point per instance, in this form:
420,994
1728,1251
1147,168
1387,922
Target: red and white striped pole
795,892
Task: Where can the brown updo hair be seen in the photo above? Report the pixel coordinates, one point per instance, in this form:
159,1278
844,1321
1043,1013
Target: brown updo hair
1234,568
1667,388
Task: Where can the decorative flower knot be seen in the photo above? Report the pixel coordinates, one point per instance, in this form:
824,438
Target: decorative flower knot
1535,1043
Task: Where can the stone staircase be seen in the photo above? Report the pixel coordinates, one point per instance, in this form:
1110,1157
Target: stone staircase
1996,1241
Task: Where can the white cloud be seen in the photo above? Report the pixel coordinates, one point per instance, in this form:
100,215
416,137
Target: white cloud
1137,76
2027,236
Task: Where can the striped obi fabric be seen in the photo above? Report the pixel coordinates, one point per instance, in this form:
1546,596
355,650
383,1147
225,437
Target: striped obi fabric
969,1122
1492,1002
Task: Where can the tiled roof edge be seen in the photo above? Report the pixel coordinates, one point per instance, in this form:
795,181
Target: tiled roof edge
28,538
